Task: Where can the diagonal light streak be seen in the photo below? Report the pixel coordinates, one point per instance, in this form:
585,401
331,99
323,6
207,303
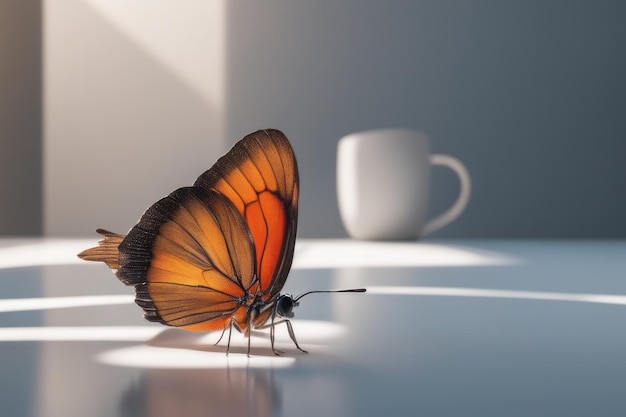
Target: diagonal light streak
492,293
309,254
48,303
79,333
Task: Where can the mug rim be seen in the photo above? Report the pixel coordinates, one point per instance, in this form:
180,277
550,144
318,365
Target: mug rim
385,131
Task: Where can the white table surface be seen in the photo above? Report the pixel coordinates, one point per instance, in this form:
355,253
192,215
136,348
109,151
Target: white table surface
447,328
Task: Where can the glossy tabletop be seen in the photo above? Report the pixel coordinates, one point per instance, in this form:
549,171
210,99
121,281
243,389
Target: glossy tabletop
447,328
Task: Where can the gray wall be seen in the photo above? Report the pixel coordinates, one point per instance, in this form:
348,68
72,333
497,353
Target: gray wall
20,118
531,95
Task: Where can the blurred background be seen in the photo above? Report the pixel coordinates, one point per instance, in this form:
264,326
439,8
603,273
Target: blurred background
108,105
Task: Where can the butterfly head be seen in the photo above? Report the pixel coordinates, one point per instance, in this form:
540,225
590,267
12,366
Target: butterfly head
285,305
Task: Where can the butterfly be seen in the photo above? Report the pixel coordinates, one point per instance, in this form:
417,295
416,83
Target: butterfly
216,255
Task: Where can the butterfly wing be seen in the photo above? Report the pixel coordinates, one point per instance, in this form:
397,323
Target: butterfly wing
191,260
197,255
259,175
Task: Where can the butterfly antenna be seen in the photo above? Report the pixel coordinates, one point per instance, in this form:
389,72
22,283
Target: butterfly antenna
319,291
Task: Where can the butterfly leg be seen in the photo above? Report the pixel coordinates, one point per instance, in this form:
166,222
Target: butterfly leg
221,336
230,332
292,335
272,337
249,333
276,351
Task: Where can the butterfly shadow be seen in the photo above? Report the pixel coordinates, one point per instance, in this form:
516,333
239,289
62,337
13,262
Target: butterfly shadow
217,342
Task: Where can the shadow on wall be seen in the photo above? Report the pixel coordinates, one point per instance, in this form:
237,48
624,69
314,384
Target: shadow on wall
20,118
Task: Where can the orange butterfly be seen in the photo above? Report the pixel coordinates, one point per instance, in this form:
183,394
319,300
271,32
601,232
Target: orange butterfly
216,255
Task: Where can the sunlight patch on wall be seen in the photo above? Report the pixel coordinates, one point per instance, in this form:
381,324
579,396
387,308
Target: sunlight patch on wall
170,33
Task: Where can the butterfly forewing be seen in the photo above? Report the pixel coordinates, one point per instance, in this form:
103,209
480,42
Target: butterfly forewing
260,176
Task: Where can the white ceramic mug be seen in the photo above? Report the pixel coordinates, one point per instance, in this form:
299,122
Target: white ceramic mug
383,181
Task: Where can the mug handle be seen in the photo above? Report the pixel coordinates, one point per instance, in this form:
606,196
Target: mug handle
461,202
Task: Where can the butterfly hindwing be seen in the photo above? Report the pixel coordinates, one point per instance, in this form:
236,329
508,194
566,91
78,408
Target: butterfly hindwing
190,257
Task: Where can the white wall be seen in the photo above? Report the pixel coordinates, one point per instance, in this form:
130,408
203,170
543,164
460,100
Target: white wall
133,106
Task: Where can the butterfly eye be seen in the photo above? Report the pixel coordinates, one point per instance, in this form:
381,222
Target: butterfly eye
284,306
